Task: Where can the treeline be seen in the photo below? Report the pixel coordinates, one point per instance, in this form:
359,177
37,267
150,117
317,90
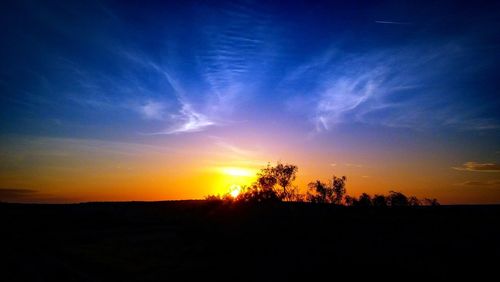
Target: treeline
275,184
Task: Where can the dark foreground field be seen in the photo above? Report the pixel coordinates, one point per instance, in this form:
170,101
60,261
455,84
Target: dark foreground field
172,241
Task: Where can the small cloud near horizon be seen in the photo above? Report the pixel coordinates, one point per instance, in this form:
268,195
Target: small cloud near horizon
15,193
488,183
480,167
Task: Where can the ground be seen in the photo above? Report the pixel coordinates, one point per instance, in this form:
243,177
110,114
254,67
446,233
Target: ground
186,240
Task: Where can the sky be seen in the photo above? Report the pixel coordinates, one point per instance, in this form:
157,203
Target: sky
140,100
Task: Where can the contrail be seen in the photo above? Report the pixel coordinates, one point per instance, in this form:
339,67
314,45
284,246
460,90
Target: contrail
390,22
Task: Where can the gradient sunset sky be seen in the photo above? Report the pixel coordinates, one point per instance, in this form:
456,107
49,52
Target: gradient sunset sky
108,100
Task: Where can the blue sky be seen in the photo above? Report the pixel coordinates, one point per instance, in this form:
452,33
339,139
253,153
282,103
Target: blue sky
409,76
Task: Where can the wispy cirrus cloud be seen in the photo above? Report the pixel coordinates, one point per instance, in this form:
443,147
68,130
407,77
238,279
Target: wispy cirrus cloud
401,87
164,100
480,167
237,54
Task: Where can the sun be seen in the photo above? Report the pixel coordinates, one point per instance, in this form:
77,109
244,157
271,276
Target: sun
235,190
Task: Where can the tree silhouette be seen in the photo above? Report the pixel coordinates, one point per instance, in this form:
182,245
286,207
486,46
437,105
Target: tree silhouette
285,174
266,179
293,195
397,199
379,201
364,200
256,193
430,202
338,187
350,201
414,201
319,192
263,190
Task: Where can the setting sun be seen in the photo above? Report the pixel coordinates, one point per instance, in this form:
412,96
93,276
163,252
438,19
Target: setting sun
231,179
235,190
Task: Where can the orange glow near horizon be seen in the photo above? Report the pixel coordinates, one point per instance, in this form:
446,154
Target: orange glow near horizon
61,170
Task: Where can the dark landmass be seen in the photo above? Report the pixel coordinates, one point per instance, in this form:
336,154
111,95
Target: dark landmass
187,240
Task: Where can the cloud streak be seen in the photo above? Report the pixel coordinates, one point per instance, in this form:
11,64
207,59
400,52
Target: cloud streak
15,192
393,22
488,183
479,167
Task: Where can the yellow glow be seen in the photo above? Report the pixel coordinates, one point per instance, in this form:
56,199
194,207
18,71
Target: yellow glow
237,171
230,179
